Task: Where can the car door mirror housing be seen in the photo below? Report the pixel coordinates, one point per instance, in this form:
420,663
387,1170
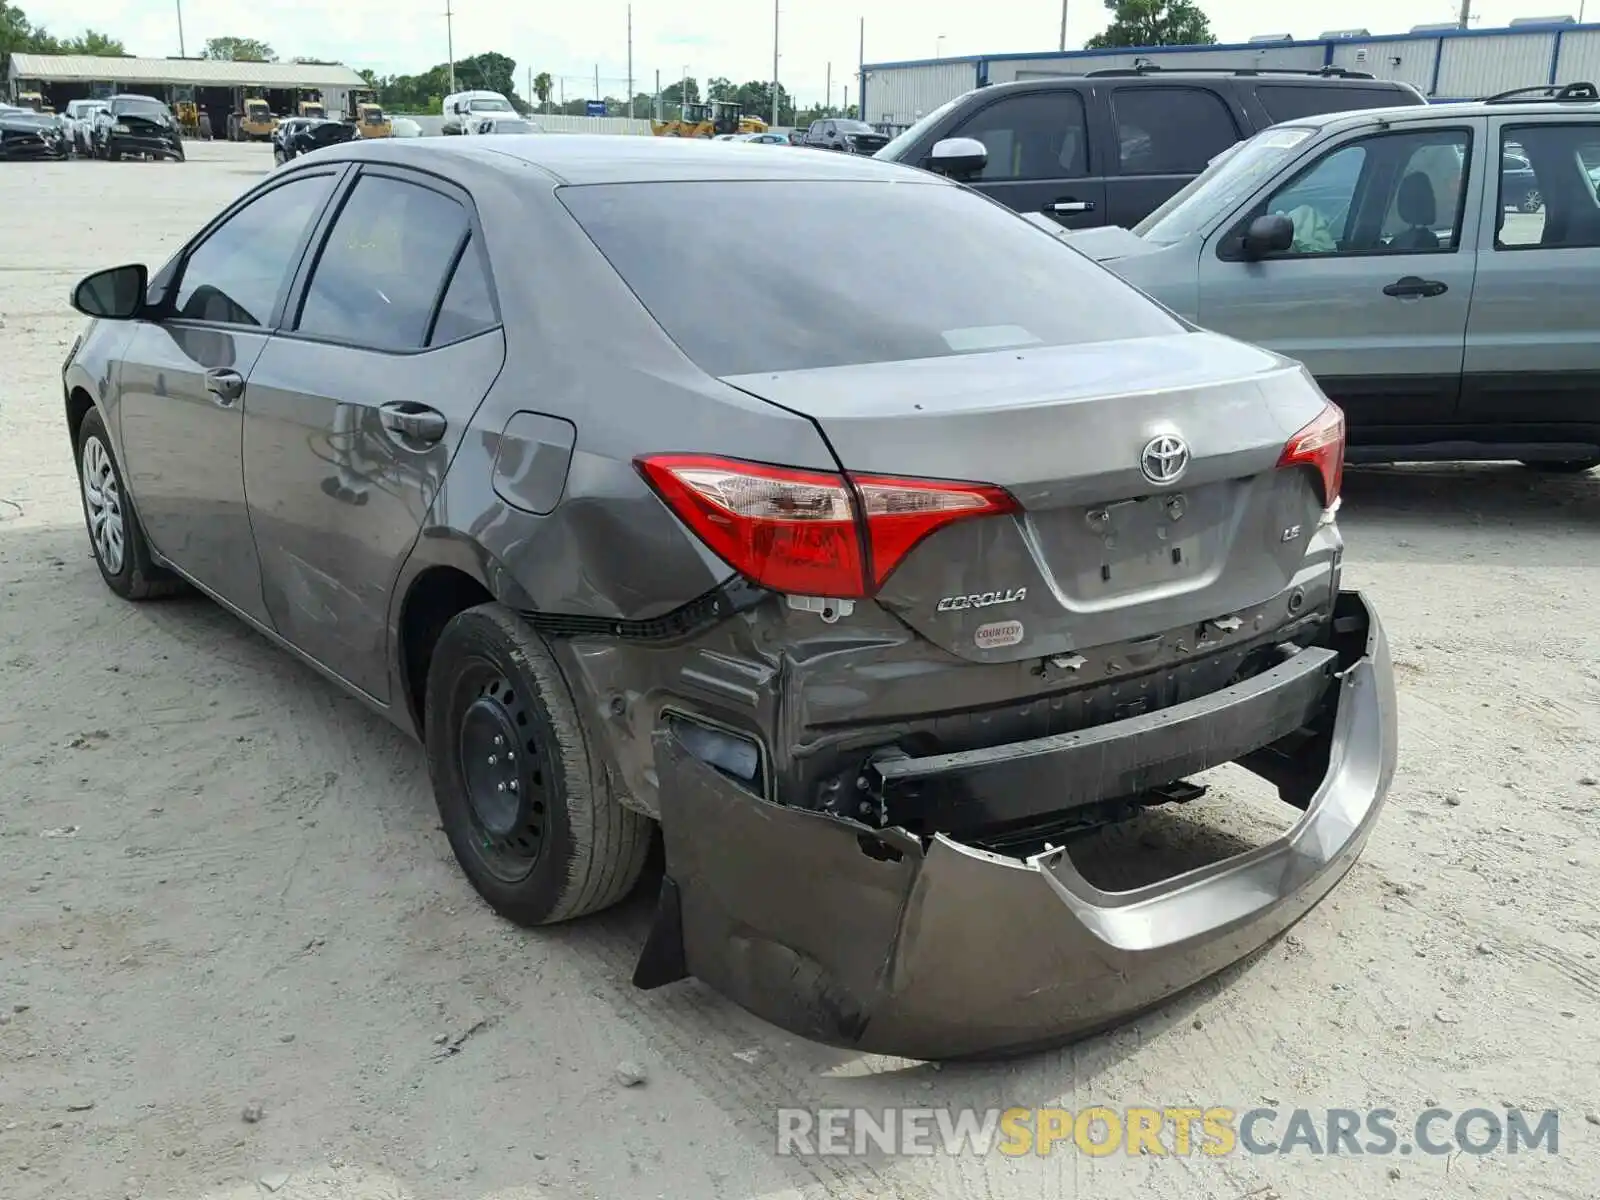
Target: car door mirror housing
1269,234
958,156
116,294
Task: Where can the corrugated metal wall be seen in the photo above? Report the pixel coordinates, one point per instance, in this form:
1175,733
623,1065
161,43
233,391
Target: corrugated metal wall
1307,58
1579,60
899,95
1449,66
1480,66
1414,65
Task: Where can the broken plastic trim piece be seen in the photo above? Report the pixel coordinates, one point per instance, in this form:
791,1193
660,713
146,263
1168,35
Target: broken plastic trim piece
733,754
826,607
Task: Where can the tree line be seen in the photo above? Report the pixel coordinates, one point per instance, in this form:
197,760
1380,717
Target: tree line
1134,23
18,35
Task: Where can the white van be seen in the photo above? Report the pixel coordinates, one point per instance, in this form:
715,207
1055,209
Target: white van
464,110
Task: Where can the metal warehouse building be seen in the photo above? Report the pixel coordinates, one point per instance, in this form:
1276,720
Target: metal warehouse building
1444,63
217,87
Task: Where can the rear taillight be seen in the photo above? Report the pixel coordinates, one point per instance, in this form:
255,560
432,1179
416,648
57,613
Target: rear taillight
799,531
1320,445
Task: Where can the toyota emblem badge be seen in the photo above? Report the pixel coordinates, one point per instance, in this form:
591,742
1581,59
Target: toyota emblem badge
1165,459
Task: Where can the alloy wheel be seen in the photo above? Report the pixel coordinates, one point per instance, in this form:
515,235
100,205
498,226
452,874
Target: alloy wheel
102,499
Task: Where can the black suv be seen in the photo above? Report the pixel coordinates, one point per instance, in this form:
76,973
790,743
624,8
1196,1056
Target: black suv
1109,147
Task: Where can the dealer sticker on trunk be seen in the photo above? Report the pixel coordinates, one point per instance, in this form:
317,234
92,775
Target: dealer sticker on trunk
997,634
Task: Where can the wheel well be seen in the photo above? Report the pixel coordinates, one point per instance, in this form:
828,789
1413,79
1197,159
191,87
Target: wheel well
436,595
79,403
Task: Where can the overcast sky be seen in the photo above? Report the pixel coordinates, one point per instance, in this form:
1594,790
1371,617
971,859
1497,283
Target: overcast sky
709,37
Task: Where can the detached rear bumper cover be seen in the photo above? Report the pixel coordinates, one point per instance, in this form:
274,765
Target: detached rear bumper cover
864,939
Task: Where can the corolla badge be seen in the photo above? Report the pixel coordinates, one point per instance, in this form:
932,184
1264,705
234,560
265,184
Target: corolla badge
1164,459
982,599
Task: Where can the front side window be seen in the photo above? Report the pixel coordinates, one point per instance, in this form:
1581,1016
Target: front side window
1386,194
1553,201
238,274
1036,135
383,265
865,272
1171,130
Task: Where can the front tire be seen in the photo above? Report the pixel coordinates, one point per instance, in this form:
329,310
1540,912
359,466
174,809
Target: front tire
525,803
115,535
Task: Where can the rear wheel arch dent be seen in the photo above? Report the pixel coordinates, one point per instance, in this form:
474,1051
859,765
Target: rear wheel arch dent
433,596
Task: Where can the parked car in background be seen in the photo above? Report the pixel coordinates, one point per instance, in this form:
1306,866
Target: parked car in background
850,136
770,138
301,135
871,563
1395,254
404,127
26,134
137,126
499,125
1109,147
78,119
463,110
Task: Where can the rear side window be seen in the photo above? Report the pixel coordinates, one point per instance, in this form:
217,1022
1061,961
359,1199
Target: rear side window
1039,135
383,266
1292,101
865,272
1171,130
1549,187
467,308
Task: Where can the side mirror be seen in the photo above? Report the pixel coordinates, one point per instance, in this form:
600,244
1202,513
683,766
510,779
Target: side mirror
1270,234
116,294
958,156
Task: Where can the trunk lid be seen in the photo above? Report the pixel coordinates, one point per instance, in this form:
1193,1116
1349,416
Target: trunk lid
1101,552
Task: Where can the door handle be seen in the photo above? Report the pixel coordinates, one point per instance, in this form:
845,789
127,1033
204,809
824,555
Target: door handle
1072,206
1412,285
224,385
415,421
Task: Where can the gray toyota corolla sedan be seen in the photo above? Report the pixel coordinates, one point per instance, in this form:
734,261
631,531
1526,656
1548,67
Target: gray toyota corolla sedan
870,563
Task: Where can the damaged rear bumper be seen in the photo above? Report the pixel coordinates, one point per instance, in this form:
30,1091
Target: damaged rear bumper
881,941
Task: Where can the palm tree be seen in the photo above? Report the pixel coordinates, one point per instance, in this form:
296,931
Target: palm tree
543,85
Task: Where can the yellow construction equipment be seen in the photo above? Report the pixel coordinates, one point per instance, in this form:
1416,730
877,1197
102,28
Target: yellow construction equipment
34,101
709,120
373,122
255,124
188,114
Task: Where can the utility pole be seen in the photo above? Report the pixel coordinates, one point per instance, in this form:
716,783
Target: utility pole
630,62
597,81
1466,13
846,109
829,104
1063,24
774,62
528,95
683,94
180,29
450,42
861,76
659,115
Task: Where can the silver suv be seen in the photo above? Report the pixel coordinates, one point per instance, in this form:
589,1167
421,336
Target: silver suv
1437,269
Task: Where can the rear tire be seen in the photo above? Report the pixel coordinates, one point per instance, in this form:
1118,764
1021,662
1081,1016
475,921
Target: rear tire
525,803
1573,466
115,535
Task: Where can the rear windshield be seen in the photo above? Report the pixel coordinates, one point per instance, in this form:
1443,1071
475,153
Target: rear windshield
1291,101
864,272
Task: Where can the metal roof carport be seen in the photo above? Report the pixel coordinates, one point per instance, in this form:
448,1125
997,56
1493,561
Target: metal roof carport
179,72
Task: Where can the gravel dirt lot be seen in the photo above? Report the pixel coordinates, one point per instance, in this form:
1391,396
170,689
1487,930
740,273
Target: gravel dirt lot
222,884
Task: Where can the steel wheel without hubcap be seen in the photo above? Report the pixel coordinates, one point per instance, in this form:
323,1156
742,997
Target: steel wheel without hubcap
502,771
103,499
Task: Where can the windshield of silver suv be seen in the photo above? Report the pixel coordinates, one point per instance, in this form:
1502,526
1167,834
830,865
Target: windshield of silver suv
1228,180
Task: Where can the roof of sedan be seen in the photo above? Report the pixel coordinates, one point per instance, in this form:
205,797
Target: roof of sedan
612,158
